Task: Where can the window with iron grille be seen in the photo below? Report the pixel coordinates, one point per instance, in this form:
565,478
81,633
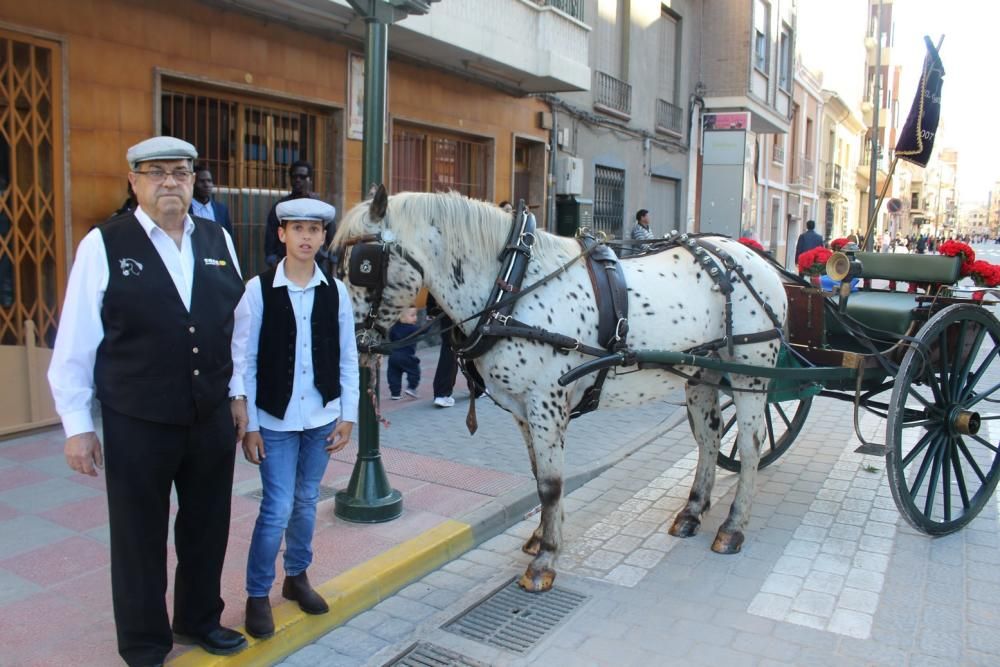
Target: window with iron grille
433,161
249,145
609,200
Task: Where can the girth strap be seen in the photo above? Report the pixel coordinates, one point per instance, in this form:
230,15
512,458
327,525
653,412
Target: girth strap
611,294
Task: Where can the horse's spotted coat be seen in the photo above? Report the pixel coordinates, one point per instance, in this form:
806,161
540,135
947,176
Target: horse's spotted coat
456,242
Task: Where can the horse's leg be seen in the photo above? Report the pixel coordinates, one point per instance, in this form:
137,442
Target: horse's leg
534,542
547,439
750,422
705,418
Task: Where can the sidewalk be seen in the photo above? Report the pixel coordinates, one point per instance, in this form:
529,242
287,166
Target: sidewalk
458,490
830,575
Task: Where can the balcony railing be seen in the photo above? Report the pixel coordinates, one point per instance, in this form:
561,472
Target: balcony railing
572,7
803,171
832,177
669,117
612,95
777,154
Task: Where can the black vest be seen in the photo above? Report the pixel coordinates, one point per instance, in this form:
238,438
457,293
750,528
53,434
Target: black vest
158,361
276,349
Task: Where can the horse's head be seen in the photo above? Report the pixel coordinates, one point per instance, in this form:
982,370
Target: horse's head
381,277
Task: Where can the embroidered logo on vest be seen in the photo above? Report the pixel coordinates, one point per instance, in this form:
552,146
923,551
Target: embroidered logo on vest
130,267
366,266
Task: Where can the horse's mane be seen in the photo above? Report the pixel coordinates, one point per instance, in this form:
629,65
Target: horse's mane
470,227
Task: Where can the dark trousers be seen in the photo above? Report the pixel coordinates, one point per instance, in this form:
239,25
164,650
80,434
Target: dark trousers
399,364
142,460
447,368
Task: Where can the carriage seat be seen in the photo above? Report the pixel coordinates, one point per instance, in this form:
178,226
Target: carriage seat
885,311
910,268
892,311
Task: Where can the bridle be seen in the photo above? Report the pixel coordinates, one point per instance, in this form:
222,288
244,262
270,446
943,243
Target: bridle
368,268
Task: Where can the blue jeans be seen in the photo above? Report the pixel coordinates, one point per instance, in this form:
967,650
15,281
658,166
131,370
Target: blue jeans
291,470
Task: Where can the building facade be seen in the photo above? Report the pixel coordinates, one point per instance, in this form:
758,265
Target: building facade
842,133
255,86
624,144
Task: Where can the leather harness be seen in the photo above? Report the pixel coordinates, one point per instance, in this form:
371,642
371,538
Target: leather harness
610,294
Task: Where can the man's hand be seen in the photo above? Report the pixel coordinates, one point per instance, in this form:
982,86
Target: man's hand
83,453
239,409
339,437
253,447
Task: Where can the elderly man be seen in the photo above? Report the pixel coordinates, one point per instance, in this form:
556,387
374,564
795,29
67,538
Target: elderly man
148,328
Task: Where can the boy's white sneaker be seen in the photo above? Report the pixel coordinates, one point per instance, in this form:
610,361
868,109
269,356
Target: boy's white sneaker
410,392
444,401
395,397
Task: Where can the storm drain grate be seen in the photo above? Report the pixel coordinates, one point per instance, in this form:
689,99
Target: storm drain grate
423,654
515,620
325,493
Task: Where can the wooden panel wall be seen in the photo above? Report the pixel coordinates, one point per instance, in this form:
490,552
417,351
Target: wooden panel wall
113,47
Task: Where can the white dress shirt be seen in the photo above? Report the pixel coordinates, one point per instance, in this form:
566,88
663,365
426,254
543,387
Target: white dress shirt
71,373
305,408
205,210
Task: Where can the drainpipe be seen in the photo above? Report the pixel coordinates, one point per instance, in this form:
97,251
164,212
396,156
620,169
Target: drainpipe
553,154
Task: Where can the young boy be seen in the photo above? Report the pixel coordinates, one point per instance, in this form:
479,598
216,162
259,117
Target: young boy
403,359
302,395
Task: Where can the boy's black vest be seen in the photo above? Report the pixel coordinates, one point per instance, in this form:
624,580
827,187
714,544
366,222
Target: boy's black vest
276,349
158,361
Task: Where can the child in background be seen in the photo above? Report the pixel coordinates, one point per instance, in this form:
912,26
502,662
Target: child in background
404,359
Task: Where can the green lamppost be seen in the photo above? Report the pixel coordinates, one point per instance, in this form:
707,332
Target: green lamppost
369,497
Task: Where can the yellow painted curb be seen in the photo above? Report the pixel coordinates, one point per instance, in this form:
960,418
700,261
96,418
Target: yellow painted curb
348,594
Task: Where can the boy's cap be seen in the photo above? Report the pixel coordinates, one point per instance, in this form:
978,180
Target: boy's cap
306,209
160,148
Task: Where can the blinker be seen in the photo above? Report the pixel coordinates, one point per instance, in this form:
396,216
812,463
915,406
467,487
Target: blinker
367,265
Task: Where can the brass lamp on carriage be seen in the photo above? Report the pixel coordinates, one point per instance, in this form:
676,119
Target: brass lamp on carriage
842,266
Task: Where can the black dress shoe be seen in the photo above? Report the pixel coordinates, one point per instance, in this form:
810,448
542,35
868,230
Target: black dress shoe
297,588
220,641
260,621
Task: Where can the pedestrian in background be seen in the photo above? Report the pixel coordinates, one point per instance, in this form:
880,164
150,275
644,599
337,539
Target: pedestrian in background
404,359
303,406
203,205
808,239
641,232
151,326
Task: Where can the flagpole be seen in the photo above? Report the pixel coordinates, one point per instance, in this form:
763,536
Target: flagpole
878,204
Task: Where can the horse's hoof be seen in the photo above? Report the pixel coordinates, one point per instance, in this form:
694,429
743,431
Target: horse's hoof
537,581
532,546
728,543
685,525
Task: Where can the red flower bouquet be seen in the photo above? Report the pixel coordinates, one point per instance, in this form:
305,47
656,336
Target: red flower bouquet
749,242
813,262
838,244
984,274
959,249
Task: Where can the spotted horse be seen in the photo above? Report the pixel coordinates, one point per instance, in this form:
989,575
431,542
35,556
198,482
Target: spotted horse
717,298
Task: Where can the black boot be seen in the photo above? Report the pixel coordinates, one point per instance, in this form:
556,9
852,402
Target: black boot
297,588
260,622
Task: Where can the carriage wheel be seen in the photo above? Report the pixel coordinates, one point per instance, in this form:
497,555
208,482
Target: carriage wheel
942,456
784,421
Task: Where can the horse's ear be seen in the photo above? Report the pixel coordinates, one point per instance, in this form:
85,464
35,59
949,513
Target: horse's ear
380,202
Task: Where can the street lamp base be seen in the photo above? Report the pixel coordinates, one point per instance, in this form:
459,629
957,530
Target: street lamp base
360,510
368,497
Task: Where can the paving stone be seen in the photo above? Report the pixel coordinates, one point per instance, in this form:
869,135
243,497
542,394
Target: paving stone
353,642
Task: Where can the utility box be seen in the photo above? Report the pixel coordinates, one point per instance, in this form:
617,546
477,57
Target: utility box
572,213
569,176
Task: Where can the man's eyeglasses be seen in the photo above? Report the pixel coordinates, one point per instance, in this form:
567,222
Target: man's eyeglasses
157,176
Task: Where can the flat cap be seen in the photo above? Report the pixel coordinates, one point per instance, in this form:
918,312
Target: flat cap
160,148
306,209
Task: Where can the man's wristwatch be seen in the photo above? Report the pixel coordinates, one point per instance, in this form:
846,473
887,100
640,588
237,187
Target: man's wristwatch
238,397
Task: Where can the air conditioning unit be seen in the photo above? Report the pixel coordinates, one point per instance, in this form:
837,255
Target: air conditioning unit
569,176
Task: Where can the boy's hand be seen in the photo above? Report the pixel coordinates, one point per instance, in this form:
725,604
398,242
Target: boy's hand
339,437
253,447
